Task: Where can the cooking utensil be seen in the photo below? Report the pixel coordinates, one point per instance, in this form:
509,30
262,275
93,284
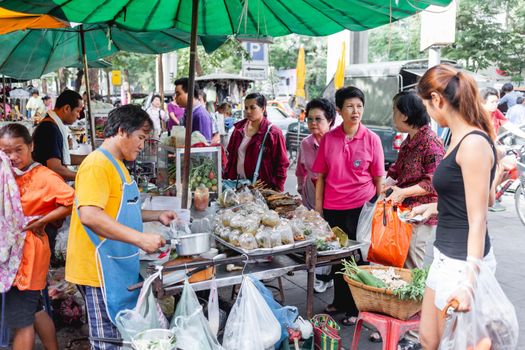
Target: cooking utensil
192,244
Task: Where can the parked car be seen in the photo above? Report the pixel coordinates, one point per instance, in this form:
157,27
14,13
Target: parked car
284,106
297,131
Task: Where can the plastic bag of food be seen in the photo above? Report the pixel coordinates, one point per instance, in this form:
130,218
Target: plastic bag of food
251,323
228,198
298,229
192,330
237,221
225,233
275,239
247,241
226,217
364,227
250,225
491,321
270,218
147,314
286,233
233,238
245,196
263,238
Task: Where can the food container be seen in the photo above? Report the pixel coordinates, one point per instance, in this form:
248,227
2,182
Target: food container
192,244
201,198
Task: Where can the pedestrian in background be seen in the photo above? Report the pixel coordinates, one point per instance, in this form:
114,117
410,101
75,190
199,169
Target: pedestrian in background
157,115
249,137
350,166
463,183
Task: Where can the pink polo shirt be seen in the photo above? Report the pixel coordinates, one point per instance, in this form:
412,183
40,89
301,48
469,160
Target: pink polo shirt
350,166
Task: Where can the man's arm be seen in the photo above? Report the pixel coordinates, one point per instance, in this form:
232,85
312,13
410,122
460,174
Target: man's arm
76,159
56,165
103,225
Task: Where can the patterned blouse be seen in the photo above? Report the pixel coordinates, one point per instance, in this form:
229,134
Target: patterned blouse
415,165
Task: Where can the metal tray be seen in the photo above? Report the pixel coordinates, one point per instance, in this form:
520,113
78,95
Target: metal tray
264,251
350,245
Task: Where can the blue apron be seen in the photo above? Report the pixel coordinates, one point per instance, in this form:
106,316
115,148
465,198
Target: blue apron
119,261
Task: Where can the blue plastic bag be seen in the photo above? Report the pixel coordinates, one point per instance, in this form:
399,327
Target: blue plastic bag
286,315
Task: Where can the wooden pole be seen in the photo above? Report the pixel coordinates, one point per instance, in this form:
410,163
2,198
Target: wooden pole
90,119
161,81
109,83
189,107
5,97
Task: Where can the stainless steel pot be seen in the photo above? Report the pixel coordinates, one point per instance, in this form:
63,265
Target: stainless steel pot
192,244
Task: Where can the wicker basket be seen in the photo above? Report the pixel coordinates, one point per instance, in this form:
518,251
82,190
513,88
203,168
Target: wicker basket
381,300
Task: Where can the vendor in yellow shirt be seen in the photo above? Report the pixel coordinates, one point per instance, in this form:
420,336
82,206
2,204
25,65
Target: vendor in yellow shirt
106,225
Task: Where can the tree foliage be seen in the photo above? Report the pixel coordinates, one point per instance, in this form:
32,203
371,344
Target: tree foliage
140,69
395,42
491,33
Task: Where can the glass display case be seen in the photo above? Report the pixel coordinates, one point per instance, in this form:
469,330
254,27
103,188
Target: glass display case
205,169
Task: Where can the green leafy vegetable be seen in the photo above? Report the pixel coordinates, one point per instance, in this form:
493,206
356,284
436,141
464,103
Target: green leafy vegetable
416,288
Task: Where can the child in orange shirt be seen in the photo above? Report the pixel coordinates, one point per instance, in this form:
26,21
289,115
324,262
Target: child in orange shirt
44,194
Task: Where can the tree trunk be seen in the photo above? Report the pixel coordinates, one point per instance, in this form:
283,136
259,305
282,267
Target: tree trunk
198,67
93,81
78,80
44,86
62,72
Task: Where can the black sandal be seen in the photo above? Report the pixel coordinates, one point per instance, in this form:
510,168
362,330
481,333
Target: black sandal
349,321
331,309
375,337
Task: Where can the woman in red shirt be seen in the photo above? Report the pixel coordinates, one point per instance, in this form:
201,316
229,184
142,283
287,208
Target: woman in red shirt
246,142
43,194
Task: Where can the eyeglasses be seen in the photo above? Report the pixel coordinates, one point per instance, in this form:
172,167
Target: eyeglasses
316,120
355,108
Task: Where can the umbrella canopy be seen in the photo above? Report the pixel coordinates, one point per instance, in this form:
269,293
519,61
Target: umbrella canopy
225,17
11,21
32,53
92,64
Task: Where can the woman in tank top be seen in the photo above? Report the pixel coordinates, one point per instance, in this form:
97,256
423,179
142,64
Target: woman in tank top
462,181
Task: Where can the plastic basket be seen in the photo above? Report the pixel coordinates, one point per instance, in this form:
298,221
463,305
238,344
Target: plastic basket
382,300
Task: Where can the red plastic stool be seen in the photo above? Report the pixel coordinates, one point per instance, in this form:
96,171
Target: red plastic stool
391,329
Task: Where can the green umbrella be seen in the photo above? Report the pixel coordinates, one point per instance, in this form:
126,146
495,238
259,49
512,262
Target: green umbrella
32,53
225,17
92,64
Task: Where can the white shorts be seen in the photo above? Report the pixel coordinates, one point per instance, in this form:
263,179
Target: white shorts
446,274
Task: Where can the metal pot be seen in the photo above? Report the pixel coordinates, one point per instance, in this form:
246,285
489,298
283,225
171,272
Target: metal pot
192,244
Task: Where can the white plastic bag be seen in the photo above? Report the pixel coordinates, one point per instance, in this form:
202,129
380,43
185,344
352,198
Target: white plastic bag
213,308
251,324
192,330
146,315
364,227
492,318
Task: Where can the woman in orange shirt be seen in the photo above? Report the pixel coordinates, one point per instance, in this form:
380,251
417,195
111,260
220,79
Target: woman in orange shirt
45,195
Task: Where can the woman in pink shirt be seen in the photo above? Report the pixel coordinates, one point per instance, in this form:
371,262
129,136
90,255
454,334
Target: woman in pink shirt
320,116
350,168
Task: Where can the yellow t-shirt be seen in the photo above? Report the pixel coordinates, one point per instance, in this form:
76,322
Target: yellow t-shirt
97,184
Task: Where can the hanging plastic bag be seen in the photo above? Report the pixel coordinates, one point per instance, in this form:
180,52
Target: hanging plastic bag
286,315
364,227
192,330
251,324
491,321
147,314
390,237
213,308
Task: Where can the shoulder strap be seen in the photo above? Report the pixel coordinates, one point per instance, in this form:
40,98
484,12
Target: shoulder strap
115,163
489,140
259,158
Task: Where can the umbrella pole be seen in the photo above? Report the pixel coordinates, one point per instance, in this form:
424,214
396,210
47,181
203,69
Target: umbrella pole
5,96
109,85
189,107
90,119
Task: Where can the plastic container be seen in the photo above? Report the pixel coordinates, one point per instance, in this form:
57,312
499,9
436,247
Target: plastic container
201,198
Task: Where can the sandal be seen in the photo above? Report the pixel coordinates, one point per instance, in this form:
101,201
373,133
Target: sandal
349,321
375,337
331,309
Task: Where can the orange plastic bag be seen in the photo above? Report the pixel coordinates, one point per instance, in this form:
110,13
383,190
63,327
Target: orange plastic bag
390,236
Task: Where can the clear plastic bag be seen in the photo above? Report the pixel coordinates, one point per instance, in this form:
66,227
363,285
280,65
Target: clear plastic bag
286,233
146,315
491,320
247,241
192,330
251,324
270,218
263,238
213,308
364,227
